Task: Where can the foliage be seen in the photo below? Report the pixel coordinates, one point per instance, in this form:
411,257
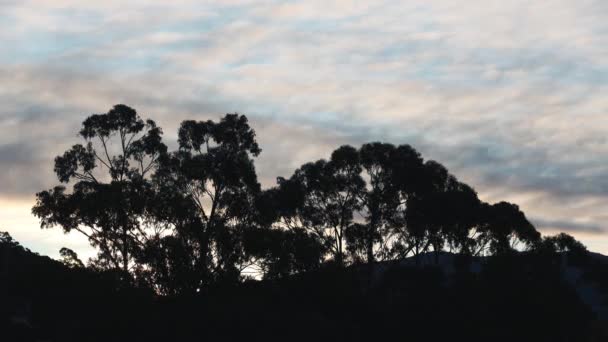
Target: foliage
187,220
70,258
110,185
205,193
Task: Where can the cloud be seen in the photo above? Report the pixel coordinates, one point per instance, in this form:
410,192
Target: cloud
508,95
567,226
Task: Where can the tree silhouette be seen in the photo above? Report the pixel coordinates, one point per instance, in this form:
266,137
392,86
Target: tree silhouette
322,198
380,196
463,233
70,258
206,194
7,239
557,249
406,183
564,243
508,228
283,252
183,221
421,225
110,183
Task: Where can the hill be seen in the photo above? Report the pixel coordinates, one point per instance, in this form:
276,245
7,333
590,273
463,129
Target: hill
518,298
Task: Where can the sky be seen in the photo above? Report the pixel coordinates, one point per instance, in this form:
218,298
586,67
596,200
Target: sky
508,95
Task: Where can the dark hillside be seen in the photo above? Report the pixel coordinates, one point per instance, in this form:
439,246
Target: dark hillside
510,299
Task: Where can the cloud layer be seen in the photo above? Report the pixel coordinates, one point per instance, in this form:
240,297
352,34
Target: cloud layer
508,95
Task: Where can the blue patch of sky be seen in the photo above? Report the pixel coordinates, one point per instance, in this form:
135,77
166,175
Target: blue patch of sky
539,64
38,46
256,59
206,23
316,26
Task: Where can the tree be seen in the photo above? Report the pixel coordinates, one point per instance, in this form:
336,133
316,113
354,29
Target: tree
463,231
7,239
323,197
169,265
277,247
380,198
207,192
508,228
110,185
358,237
396,178
561,243
401,182
183,221
70,258
414,216
281,252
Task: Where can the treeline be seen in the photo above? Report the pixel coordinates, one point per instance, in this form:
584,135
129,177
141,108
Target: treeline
520,297
182,221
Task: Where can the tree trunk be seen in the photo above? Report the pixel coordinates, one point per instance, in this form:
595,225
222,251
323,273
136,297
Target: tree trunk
125,251
340,251
417,254
436,250
370,245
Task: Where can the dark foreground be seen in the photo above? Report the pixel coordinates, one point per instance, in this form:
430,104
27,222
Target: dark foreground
516,298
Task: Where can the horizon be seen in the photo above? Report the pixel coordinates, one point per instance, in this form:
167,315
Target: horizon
507,97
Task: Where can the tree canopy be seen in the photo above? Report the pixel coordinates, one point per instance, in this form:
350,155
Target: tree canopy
110,185
186,220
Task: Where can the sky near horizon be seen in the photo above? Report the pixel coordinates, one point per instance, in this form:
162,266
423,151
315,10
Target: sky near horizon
508,95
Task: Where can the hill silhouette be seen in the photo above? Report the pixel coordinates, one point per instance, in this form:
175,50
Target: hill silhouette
512,299
373,242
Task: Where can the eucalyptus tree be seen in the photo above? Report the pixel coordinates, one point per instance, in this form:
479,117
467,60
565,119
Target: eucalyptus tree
7,239
108,175
564,243
464,232
407,181
445,211
380,197
429,213
561,249
70,258
395,179
278,253
208,189
508,229
387,176
322,198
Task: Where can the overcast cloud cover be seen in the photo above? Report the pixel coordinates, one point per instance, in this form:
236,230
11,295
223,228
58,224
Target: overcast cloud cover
509,95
